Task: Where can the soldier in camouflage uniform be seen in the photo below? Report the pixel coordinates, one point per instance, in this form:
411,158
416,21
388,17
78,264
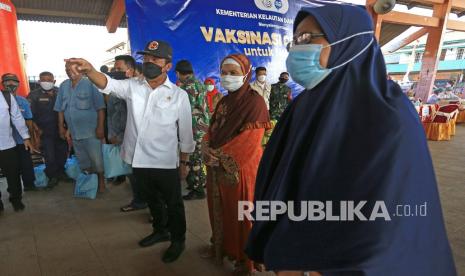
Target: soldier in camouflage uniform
280,96
279,99
200,120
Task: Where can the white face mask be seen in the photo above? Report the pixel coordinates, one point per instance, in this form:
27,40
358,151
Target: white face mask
261,78
232,83
210,87
47,85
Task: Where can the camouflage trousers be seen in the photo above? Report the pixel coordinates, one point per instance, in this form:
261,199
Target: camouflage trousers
267,135
196,178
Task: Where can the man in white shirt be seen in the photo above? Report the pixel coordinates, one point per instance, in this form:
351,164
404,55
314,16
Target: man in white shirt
261,85
448,95
159,125
10,115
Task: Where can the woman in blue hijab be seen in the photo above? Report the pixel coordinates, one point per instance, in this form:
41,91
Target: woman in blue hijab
352,135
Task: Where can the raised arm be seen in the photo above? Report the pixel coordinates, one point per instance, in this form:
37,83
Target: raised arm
81,66
107,85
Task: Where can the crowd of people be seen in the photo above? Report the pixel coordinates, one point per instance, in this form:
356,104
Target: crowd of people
346,137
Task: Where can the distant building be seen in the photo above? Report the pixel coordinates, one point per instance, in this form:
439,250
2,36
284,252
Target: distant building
451,65
122,48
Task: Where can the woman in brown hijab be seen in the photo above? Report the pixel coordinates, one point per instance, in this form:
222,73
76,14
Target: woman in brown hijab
232,151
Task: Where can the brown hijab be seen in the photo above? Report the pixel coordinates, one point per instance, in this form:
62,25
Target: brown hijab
239,110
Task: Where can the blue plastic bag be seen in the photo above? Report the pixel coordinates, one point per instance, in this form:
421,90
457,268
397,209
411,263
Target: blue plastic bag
72,168
113,164
41,180
86,186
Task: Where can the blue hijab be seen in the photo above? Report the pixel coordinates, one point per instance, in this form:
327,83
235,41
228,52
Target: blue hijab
354,137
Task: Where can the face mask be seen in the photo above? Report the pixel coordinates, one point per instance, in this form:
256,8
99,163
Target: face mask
232,83
261,78
303,62
117,75
210,87
11,88
151,70
283,80
46,85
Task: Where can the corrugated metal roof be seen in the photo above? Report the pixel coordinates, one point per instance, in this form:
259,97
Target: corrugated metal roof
86,12
390,31
95,12
413,3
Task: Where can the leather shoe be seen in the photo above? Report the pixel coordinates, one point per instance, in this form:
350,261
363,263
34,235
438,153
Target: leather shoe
173,252
194,195
18,206
154,238
1,206
30,188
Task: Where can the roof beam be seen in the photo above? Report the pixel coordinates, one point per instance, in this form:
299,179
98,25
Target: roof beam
458,4
115,15
53,13
429,2
406,41
404,18
456,25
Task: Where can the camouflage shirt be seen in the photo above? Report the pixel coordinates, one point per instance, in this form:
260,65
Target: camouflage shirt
279,99
196,92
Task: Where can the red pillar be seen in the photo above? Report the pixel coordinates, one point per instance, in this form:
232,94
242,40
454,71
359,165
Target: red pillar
432,53
11,54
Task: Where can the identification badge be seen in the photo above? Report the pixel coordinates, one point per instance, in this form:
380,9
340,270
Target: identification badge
44,99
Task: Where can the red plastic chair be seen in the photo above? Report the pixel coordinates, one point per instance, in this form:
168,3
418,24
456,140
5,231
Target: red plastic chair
446,113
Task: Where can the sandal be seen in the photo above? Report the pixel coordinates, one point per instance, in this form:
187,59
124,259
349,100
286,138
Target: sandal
128,208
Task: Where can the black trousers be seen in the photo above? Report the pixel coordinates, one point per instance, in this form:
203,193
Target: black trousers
161,188
9,163
26,169
55,151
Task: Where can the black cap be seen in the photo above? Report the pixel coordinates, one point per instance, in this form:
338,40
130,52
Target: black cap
158,48
9,77
184,66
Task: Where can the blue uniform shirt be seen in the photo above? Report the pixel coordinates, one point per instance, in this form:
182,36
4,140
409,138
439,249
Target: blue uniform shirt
80,105
27,114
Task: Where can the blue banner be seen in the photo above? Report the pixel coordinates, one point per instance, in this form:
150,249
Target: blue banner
205,31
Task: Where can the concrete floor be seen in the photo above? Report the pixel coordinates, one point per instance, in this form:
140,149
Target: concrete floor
61,235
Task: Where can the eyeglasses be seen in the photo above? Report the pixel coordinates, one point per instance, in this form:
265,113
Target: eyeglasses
302,39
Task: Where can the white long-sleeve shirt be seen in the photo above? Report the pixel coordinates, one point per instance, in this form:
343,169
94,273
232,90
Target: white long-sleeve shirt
159,122
6,131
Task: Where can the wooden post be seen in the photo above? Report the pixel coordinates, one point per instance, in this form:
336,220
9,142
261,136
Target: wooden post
117,10
377,19
432,53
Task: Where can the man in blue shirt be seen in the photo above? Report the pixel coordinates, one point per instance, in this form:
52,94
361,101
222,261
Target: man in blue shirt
81,105
434,98
54,149
26,167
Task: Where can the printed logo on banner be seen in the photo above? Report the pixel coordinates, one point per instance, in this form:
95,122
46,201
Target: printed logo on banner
280,6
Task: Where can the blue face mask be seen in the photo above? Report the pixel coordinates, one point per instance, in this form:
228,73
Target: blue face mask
303,62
